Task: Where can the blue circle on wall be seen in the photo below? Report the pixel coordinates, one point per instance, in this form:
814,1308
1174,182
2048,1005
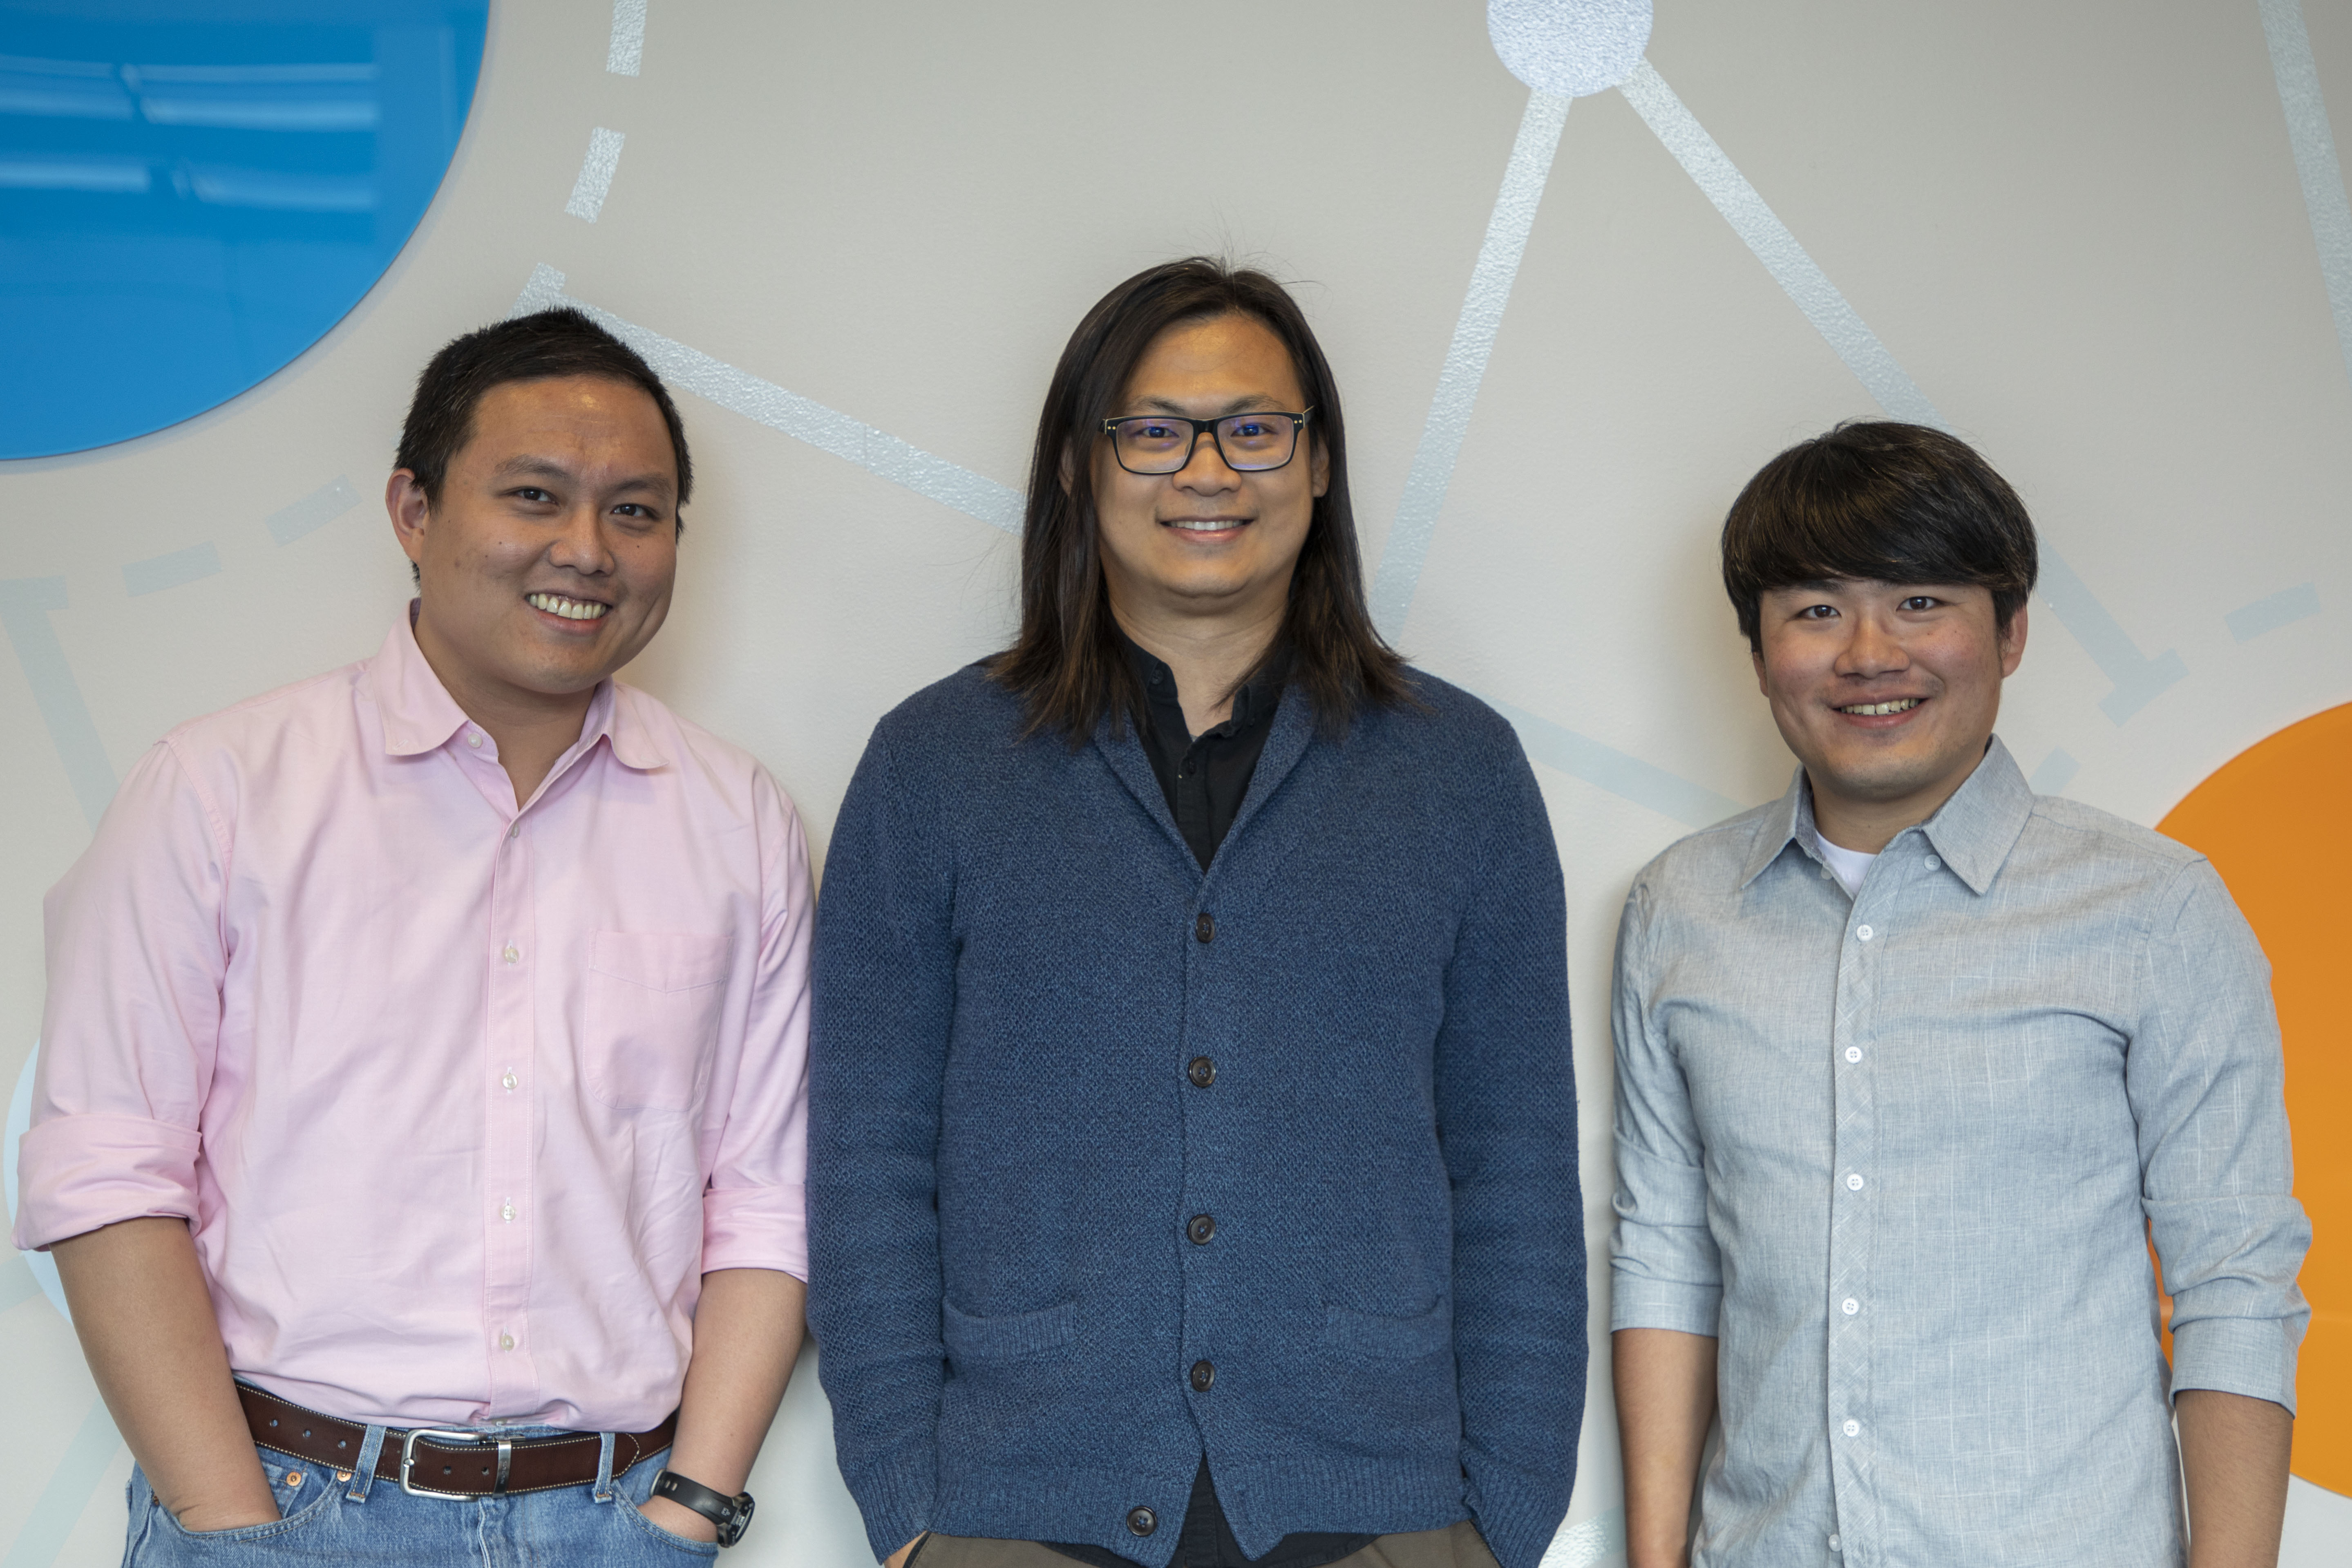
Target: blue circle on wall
191,195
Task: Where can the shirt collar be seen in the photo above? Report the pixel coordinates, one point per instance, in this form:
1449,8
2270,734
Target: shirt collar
1253,700
1972,832
419,715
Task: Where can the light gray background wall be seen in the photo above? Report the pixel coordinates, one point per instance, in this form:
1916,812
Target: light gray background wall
2076,230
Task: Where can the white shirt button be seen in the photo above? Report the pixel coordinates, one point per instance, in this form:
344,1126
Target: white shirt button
506,1342
1864,932
1853,1182
510,1080
1853,1428
1854,1053
474,738
507,1213
516,831
1834,1543
511,954
1849,1306
1933,862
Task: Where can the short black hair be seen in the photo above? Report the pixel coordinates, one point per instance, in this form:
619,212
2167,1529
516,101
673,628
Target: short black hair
1881,501
538,347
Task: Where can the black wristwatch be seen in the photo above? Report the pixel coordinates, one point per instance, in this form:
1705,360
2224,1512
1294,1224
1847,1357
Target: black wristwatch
733,1515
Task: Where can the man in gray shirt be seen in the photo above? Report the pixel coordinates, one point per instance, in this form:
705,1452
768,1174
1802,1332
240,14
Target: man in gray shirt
1912,1067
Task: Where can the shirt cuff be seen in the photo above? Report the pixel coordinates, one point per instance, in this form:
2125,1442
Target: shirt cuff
1640,1301
2251,1357
757,1227
76,1173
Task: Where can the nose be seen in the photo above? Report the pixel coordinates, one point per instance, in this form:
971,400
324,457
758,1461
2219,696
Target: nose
1206,473
1872,647
580,543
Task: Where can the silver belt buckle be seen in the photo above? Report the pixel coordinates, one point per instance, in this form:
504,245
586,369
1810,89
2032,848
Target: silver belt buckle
408,1441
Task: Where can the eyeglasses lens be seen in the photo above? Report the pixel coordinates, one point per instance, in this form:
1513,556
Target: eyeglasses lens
1148,445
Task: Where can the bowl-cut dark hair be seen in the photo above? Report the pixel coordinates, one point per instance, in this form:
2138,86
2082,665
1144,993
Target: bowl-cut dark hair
1067,664
1880,500
542,346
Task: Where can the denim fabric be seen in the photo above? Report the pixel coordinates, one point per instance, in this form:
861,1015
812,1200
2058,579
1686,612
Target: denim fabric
323,1523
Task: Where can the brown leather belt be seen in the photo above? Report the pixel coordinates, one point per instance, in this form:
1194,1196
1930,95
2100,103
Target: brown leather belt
433,1462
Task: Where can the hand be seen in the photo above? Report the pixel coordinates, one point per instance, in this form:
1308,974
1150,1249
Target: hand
679,1520
899,1559
208,1518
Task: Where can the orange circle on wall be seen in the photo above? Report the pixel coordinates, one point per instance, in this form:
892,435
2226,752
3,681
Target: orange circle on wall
2277,822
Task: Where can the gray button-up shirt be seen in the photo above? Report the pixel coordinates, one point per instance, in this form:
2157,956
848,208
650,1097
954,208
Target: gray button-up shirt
1902,1153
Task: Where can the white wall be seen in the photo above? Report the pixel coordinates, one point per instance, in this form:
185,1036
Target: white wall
2077,232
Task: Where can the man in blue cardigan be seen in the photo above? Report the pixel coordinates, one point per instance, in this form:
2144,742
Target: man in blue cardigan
1192,1130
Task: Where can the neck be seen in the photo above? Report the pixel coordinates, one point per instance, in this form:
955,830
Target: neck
1210,656
532,729
1868,827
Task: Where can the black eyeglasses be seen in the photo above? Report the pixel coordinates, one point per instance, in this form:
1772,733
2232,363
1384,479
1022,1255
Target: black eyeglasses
1163,443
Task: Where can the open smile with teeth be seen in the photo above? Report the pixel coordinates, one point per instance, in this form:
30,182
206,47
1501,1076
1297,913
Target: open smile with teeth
1206,524
1882,709
570,609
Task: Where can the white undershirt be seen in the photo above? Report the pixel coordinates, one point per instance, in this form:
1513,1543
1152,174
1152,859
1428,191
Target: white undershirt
1850,865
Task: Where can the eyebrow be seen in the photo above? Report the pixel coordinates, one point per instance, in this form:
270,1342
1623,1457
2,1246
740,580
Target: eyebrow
1252,403
532,468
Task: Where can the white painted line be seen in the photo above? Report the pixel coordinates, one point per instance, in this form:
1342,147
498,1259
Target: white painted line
1797,273
628,51
852,440
596,170
1465,359
2315,157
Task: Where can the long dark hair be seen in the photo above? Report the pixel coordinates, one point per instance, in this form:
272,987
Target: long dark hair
1067,664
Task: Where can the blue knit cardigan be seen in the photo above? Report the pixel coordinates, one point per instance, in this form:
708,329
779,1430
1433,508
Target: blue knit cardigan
1018,965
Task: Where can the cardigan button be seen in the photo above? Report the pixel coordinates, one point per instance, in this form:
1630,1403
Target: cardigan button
1205,928
1143,1521
1201,1071
1204,1375
1203,1229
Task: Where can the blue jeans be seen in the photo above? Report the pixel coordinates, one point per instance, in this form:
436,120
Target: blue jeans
369,1520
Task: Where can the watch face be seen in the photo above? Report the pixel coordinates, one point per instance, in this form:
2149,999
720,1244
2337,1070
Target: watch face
732,1529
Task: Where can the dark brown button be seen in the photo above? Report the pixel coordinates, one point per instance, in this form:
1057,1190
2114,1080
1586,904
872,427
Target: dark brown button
1143,1521
1202,1228
1201,1071
1204,1375
1204,927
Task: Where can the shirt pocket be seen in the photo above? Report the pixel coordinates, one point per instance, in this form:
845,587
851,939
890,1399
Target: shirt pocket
653,1017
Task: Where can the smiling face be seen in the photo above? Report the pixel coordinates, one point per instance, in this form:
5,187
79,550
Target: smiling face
1207,541
547,562
1887,692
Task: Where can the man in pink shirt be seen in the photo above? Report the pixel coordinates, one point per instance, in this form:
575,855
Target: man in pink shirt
420,1120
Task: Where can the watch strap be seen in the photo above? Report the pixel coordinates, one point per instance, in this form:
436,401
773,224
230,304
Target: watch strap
730,1514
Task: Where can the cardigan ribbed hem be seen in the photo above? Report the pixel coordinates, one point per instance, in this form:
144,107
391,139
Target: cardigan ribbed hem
1518,1514
895,1502
1004,1503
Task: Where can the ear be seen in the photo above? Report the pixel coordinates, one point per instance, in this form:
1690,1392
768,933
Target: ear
2013,644
1069,467
1322,464
1756,656
411,514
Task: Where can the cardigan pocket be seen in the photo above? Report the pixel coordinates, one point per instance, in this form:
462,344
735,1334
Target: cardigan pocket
1014,1338
1371,1334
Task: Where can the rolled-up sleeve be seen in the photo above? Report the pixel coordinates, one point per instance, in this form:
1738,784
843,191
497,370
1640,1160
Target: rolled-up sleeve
2207,1091
755,1210
1666,1272
135,957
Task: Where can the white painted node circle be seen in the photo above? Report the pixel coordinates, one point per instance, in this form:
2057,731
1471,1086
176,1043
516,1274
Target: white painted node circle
1571,47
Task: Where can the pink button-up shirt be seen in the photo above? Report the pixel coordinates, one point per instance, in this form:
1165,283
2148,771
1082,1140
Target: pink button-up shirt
460,1100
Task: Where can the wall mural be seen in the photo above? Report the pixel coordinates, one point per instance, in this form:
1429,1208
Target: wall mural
296,157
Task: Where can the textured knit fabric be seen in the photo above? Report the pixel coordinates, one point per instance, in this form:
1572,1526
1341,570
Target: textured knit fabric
1902,1153
1023,981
